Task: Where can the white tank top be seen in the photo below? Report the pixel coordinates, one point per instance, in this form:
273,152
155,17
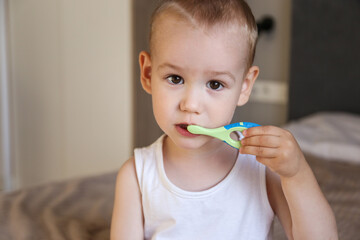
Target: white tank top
236,208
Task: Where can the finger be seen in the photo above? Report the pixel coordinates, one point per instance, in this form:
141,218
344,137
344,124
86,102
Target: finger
262,141
259,151
262,130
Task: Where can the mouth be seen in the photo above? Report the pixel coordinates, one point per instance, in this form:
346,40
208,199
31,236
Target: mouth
182,129
183,125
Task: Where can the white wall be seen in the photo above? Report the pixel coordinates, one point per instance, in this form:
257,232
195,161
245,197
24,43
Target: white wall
71,87
273,50
5,135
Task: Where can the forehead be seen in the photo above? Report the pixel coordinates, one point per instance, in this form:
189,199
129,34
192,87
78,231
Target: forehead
176,36
171,17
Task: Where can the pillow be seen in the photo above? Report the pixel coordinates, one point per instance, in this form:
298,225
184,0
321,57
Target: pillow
329,135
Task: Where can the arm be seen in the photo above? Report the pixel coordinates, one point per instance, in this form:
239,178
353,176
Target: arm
127,218
296,198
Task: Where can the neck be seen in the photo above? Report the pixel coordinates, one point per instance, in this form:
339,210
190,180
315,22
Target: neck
198,169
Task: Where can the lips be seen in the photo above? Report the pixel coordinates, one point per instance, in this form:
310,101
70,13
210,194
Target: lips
182,129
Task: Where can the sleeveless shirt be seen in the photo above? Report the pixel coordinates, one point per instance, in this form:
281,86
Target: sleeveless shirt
235,208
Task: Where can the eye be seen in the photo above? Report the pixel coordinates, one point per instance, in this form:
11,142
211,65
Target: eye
215,85
175,79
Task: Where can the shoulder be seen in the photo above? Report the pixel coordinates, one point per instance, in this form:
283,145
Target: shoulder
126,179
127,217
127,169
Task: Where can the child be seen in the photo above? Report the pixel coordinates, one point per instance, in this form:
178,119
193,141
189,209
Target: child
187,186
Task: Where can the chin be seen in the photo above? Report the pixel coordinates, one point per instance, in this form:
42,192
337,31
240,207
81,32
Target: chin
188,143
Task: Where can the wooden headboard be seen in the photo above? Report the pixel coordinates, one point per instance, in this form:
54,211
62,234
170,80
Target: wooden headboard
325,57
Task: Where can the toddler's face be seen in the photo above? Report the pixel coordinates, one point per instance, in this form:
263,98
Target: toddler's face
196,78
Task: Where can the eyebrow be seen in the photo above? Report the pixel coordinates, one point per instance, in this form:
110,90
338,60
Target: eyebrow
212,73
169,65
227,73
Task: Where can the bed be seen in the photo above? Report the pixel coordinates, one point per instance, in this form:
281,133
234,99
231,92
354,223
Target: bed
77,209
81,208
324,116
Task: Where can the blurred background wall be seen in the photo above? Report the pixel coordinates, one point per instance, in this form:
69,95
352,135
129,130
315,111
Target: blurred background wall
70,88
268,102
76,105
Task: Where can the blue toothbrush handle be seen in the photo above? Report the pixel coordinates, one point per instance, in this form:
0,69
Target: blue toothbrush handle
241,124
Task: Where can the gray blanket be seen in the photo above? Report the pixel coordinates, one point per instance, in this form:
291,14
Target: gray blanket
76,209
81,208
340,183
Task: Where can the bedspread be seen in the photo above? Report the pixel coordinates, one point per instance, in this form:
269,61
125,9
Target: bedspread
76,209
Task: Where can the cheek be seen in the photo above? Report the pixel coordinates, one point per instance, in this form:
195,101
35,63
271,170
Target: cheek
162,105
223,110
159,113
159,105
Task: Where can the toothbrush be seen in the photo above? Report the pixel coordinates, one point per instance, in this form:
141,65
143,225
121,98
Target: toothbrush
223,133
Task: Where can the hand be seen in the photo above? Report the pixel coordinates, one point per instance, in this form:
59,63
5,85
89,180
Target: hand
274,147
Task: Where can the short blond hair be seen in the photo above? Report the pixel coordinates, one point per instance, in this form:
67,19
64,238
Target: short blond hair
207,13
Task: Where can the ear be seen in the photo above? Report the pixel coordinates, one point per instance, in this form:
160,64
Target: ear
247,85
145,71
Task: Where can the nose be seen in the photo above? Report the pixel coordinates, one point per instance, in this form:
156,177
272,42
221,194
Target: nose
191,101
